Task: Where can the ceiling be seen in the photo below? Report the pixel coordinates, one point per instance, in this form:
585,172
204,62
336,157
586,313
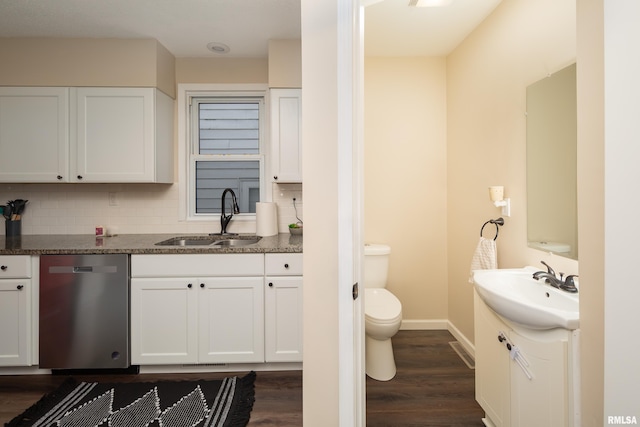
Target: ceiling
185,27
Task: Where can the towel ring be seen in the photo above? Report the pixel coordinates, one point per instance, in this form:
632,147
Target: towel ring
498,222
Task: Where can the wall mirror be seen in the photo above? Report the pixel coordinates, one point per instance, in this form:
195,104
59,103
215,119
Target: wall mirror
552,224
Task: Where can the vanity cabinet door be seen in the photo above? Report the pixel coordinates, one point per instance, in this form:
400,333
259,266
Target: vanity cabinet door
231,320
540,399
493,366
164,321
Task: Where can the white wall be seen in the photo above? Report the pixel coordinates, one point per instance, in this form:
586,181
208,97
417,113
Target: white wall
320,173
622,208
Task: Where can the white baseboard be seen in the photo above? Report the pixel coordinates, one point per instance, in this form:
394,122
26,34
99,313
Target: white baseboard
220,367
440,324
462,339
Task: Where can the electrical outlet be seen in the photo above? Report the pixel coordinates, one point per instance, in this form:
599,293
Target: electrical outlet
113,199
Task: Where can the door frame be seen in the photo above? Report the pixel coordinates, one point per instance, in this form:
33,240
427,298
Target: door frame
352,381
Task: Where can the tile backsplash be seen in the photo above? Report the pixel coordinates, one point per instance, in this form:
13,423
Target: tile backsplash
126,209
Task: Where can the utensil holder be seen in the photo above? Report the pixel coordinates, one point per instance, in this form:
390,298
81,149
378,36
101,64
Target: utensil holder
13,228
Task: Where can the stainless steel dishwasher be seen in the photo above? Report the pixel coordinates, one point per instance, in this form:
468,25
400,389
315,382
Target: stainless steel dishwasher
84,311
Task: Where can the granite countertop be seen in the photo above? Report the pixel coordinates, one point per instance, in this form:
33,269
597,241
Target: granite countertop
136,244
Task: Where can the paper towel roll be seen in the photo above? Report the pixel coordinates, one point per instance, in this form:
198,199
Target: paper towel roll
266,219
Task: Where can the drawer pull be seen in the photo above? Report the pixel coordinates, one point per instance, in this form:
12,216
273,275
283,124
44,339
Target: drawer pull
202,285
286,266
189,286
271,284
3,268
19,287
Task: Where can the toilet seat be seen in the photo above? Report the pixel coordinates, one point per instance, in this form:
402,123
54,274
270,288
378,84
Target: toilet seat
381,306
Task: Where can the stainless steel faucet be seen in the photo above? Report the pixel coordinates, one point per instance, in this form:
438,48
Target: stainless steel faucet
566,284
224,219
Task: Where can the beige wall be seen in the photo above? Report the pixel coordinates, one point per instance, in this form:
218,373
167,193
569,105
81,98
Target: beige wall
285,65
520,43
405,179
221,70
591,191
86,62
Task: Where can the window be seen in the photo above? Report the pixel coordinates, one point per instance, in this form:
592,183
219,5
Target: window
226,151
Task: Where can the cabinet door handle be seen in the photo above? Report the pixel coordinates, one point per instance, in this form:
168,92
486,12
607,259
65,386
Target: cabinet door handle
275,177
202,285
286,266
59,177
271,284
80,177
19,287
189,286
3,268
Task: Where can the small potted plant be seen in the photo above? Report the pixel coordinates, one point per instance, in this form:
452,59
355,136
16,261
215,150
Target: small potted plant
295,228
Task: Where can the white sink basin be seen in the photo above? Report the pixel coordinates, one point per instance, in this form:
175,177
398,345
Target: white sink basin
517,296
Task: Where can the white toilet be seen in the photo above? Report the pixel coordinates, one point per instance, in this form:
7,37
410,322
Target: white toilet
382,314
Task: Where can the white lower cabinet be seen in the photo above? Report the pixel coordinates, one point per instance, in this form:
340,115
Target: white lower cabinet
196,320
283,308
164,322
216,308
15,310
524,377
231,320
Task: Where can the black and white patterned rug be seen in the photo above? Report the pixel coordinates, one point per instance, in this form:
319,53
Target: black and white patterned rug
219,403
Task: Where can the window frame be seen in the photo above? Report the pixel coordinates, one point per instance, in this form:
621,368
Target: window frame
187,145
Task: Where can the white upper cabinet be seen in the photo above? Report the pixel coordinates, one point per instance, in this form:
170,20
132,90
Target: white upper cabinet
286,135
96,135
121,135
34,134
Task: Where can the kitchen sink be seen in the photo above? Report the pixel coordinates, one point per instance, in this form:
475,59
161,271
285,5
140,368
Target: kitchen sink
188,241
210,241
236,242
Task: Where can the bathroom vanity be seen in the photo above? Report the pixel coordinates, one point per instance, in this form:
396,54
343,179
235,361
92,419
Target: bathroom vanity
524,377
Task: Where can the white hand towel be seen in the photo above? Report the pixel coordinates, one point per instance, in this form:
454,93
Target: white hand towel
485,257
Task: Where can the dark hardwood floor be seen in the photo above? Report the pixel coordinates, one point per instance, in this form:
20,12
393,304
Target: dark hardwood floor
433,387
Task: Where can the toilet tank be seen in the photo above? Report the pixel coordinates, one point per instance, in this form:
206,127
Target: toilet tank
376,265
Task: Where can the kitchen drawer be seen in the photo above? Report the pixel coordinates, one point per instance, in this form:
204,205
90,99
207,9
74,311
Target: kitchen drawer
15,266
197,265
283,264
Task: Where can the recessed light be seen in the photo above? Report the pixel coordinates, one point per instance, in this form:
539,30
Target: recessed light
430,3
220,48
